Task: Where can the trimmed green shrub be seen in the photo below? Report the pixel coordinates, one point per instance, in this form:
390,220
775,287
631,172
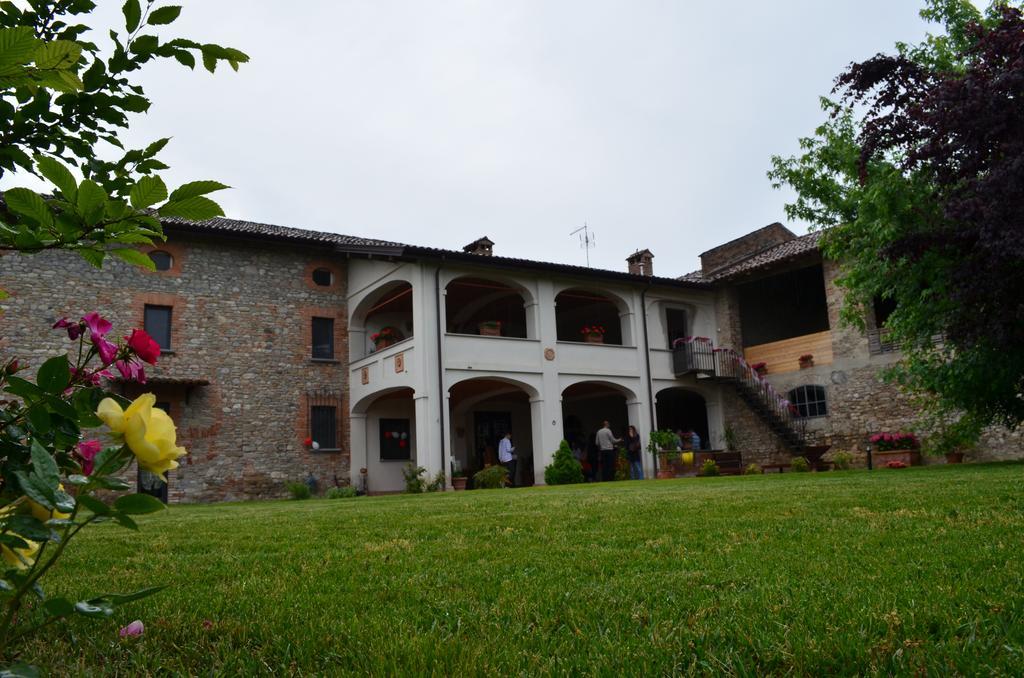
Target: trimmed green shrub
709,468
842,460
340,492
800,465
564,469
299,490
414,481
752,470
437,484
491,478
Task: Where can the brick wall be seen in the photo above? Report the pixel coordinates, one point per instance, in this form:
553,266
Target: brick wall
240,317
745,246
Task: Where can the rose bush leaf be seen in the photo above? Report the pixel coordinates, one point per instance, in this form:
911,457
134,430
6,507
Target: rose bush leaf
138,504
54,375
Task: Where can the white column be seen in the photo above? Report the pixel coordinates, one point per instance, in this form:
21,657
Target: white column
427,453
545,438
639,416
357,446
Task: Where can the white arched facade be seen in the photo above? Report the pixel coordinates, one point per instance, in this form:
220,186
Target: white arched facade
527,374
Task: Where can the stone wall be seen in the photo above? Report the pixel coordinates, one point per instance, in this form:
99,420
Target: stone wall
744,246
859,402
239,321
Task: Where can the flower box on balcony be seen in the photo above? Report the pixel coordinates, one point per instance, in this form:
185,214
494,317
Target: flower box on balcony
593,334
490,328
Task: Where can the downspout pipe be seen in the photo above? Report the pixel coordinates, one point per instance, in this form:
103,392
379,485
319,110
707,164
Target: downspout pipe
647,363
440,371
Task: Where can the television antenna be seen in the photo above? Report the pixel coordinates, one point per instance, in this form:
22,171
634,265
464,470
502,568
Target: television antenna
587,240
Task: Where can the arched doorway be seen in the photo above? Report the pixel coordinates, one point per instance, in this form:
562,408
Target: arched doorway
679,409
389,420
585,406
576,309
483,410
484,307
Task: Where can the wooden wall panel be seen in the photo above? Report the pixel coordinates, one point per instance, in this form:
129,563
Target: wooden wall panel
783,356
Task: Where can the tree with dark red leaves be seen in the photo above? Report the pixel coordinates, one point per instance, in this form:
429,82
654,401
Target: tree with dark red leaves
918,179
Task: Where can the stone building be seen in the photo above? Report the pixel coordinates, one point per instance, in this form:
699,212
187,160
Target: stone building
388,354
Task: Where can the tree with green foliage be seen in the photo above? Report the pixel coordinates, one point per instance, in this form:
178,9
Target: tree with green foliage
564,468
917,183
63,100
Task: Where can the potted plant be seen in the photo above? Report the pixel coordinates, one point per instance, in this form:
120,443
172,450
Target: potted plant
760,368
387,336
663,444
459,480
902,447
593,334
806,360
489,328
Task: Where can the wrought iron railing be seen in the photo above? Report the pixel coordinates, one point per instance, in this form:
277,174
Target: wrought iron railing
879,342
699,355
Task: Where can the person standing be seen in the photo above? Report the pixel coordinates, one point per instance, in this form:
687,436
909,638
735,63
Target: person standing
633,449
606,442
507,457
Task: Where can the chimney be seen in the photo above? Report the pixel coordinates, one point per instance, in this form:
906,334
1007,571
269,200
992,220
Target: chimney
482,246
641,262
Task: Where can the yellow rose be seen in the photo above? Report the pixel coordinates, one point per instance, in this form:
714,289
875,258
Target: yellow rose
19,558
42,514
148,431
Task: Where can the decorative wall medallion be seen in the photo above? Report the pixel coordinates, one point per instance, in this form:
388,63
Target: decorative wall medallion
399,362
838,377
365,375
549,354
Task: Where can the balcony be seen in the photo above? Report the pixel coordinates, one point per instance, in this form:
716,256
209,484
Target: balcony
576,357
476,352
784,355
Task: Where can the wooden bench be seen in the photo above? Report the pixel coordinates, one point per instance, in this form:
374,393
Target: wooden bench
729,463
772,467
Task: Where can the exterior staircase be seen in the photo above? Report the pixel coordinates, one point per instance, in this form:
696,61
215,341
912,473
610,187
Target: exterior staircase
698,355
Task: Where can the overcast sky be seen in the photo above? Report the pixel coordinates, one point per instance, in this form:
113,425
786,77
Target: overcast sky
435,123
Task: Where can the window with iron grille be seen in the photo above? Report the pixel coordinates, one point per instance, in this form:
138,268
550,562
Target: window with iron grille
809,401
323,338
325,419
156,321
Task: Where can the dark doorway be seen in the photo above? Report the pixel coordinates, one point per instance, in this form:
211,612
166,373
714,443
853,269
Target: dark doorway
679,409
488,429
150,483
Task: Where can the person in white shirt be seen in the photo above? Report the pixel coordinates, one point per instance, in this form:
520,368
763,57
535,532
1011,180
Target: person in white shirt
606,442
507,457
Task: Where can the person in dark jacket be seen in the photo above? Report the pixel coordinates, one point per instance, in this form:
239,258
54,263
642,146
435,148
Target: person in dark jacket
633,454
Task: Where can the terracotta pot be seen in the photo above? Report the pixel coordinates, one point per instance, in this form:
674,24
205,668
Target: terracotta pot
489,329
955,458
593,338
383,343
805,364
762,371
459,483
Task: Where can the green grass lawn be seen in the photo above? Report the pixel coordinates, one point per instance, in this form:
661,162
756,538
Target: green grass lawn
854,572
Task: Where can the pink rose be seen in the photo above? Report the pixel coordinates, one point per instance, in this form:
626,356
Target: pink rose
87,450
132,630
98,326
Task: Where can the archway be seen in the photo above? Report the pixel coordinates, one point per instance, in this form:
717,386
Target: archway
482,411
385,317
680,409
576,309
585,406
390,437
485,307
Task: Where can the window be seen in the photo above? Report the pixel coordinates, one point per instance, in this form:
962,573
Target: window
323,426
323,338
883,309
809,401
395,440
157,323
675,324
323,277
162,260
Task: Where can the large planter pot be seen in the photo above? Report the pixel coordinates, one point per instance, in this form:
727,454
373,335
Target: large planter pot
806,364
381,344
593,338
459,483
666,466
908,457
955,458
489,329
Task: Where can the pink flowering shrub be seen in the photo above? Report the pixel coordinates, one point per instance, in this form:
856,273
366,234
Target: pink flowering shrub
895,441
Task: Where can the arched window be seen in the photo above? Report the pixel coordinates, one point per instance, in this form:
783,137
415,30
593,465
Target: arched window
323,277
162,260
809,401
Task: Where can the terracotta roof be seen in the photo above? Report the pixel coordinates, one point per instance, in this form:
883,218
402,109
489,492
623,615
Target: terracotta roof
531,264
258,230
790,249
